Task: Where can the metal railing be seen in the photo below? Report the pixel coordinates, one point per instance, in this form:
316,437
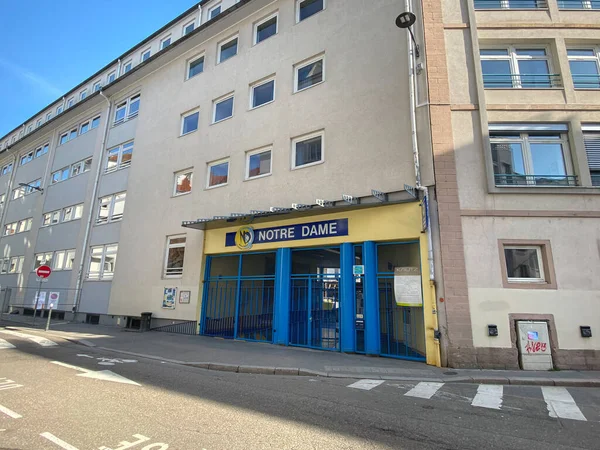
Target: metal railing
596,179
511,4
522,81
535,180
189,327
578,4
586,81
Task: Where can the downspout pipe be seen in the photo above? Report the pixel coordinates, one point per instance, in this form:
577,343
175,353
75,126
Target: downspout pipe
88,227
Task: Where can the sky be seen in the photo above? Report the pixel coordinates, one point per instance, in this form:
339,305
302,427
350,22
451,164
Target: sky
50,46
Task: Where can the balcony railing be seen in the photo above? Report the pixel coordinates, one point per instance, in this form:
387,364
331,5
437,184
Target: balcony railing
578,4
586,81
535,180
511,4
524,81
596,179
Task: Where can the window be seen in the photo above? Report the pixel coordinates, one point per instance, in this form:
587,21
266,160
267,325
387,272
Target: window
527,264
37,125
42,259
189,122
591,138
164,43
29,130
30,187
307,8
70,102
578,4
183,182
10,228
70,260
218,173
512,67
195,66
258,163
307,150
127,109
16,264
111,77
511,4
2,199
24,225
111,208
95,122
262,93
70,135
48,117
59,110
27,157
119,157
97,86
585,67
227,49
189,27
83,94
72,213
75,169
214,11
309,74
533,158
223,108
51,218
40,151
145,55
58,260
175,256
73,134
7,169
102,262
60,175
84,127
127,66
265,28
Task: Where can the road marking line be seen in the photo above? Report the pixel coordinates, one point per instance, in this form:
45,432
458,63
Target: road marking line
488,396
424,390
58,441
561,404
365,385
37,339
10,413
5,344
69,366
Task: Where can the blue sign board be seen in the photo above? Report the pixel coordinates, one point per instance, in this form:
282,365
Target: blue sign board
246,236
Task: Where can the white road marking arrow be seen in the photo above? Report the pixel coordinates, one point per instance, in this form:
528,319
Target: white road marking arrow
104,375
85,356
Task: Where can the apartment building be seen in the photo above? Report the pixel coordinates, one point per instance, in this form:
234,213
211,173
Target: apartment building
515,98
256,168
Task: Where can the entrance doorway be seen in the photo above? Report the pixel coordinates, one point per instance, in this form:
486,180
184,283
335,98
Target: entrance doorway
239,297
315,299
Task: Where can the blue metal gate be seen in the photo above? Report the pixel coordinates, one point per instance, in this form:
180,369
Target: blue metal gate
314,311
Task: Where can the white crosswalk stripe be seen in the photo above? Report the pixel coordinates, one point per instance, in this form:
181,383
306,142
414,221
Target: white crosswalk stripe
5,344
560,403
488,396
424,390
37,339
366,385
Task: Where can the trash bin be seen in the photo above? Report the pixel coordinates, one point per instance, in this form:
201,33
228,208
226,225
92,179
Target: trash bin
145,322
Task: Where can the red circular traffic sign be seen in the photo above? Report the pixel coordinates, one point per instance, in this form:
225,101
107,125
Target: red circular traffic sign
43,271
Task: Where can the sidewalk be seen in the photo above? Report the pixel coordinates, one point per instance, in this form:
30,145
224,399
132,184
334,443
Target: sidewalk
253,357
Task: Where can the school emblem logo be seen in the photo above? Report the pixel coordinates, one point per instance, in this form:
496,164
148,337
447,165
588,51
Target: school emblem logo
244,238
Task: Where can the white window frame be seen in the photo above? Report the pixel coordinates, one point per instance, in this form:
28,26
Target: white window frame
97,86
59,109
258,84
97,118
88,123
7,168
189,172
144,52
213,164
120,164
82,94
42,150
186,115
298,10
76,214
112,75
26,158
258,151
18,264
260,22
514,59
189,65
303,138
178,272
211,9
37,125
305,63
538,250
66,168
129,63
221,100
524,141
185,25
70,102
126,103
105,253
46,258
227,41
595,58
162,45
29,130
111,201
48,117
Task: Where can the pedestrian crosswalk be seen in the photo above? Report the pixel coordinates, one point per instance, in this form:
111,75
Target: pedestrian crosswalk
558,401
41,341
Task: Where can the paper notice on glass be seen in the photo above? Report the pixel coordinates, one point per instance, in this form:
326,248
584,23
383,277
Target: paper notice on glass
407,286
39,300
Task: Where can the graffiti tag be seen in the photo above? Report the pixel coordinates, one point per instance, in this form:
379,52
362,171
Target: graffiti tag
535,347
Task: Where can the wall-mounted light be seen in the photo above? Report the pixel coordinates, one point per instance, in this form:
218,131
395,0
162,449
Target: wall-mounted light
586,332
407,20
493,330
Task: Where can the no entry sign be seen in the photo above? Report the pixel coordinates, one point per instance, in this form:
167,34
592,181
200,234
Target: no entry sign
43,271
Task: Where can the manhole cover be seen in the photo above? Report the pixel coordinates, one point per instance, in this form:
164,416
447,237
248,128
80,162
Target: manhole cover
450,373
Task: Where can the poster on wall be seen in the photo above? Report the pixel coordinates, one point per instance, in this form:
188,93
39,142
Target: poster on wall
184,296
407,286
53,299
169,298
39,300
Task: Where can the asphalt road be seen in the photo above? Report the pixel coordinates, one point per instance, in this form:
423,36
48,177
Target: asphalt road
159,406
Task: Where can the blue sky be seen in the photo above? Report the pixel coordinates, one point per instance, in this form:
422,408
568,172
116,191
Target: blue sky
51,46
